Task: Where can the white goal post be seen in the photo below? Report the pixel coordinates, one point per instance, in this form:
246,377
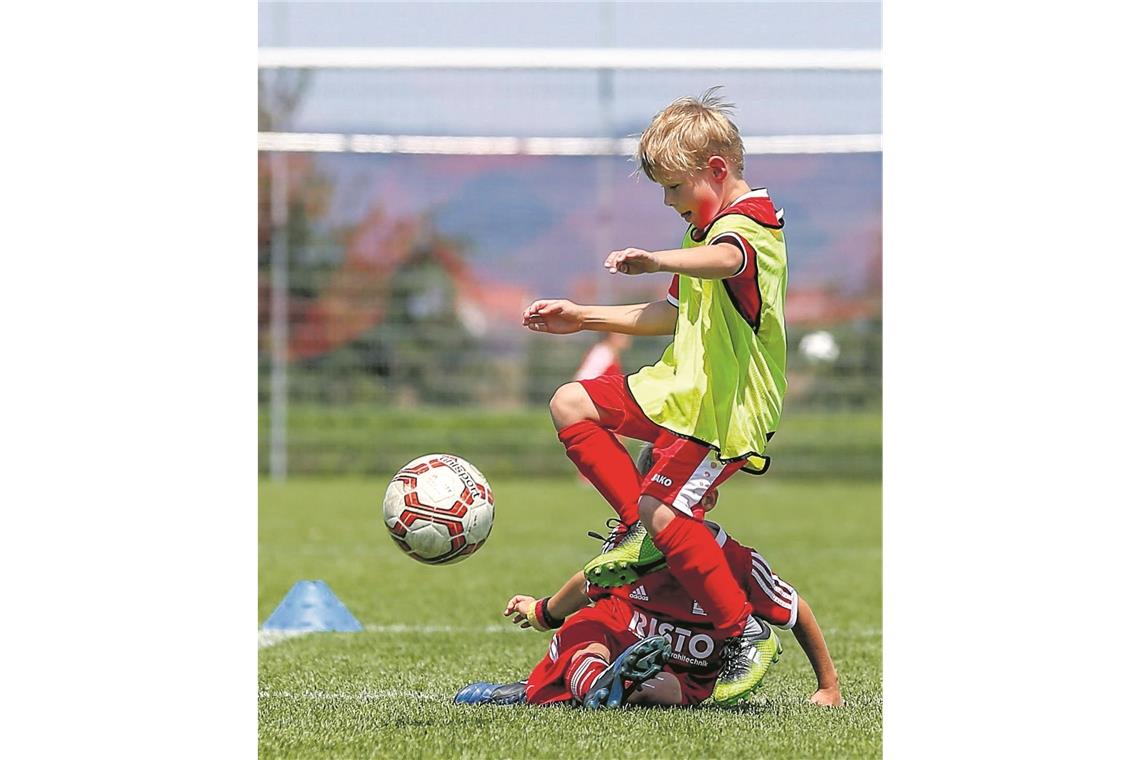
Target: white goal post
595,59
569,58
453,145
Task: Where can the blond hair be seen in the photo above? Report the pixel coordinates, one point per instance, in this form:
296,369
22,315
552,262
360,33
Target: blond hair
683,136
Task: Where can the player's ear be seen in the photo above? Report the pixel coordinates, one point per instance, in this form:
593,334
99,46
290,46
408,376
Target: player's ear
719,167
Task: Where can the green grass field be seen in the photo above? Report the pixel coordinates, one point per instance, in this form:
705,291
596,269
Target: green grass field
387,692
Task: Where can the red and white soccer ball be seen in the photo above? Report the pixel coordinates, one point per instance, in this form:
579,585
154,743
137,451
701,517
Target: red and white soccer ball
439,509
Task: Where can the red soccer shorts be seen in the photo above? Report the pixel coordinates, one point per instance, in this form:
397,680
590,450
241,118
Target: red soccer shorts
607,622
683,470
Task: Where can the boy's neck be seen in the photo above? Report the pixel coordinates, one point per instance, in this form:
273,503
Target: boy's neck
733,189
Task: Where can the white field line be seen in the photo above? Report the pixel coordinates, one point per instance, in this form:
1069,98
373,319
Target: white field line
270,638
361,696
402,628
419,696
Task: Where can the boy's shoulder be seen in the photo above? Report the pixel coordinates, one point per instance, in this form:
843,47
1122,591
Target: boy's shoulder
755,206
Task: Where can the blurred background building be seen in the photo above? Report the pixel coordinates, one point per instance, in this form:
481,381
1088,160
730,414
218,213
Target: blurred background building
427,169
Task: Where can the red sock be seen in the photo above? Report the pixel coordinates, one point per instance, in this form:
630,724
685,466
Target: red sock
583,673
699,565
601,458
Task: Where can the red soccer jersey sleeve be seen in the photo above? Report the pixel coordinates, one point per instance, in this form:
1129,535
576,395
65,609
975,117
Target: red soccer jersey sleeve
772,598
674,293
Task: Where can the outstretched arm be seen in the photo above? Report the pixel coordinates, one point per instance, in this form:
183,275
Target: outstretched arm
708,262
560,317
528,611
810,636
570,598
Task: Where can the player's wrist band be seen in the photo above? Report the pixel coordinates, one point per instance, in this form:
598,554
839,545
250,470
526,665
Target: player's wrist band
542,611
533,618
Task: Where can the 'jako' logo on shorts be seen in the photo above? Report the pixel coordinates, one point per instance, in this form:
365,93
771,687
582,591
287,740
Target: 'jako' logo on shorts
659,478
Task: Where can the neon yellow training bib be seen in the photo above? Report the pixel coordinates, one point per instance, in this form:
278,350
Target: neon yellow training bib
722,380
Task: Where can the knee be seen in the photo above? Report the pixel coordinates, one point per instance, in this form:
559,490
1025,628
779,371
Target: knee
646,510
569,404
654,514
596,648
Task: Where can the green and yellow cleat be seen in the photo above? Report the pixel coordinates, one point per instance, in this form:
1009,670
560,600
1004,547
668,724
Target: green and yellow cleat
746,659
634,556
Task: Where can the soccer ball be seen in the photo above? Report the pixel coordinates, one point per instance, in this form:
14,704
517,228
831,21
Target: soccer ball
819,346
439,509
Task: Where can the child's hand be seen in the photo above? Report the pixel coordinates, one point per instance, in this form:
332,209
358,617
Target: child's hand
521,605
632,261
829,697
559,317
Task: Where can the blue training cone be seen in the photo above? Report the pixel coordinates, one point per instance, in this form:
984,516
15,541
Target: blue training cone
311,606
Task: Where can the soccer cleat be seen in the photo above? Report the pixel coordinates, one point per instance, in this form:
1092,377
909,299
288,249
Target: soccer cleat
484,693
617,530
637,664
634,556
746,659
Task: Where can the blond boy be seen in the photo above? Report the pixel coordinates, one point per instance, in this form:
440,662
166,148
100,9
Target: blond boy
714,399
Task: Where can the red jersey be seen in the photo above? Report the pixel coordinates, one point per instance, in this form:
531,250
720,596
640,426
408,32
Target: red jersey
661,606
599,360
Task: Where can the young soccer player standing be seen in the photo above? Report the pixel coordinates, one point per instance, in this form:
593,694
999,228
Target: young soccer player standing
714,399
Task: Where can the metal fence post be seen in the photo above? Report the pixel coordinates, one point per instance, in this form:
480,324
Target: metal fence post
279,316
